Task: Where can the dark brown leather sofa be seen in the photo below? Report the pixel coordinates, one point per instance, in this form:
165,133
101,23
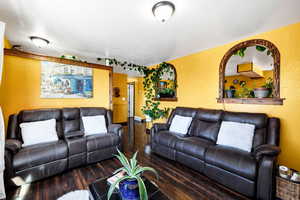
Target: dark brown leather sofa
251,174
73,149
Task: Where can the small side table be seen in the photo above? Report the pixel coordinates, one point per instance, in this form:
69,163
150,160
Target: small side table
287,189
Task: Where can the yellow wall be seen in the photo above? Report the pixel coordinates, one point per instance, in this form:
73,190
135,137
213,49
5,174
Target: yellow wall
120,104
7,45
198,86
250,83
139,95
20,88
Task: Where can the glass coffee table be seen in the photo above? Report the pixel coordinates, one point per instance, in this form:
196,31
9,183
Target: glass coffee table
99,188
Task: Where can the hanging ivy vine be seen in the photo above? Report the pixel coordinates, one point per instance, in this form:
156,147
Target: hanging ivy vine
151,76
241,52
150,83
125,65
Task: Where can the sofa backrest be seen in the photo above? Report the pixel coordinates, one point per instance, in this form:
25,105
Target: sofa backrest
92,111
39,115
68,120
71,121
260,121
273,136
206,124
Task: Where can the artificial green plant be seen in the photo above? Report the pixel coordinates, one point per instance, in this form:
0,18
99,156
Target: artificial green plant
270,86
133,171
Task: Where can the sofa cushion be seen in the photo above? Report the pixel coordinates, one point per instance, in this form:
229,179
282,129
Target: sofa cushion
167,138
71,121
182,111
205,129
180,124
93,111
38,132
233,160
238,135
193,146
260,121
40,154
206,124
101,141
94,125
42,114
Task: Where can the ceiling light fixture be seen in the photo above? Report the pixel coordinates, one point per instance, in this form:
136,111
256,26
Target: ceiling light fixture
39,42
163,10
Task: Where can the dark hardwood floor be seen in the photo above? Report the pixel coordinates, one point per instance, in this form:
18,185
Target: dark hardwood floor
178,182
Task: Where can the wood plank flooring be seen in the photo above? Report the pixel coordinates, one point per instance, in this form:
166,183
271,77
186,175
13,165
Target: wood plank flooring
178,182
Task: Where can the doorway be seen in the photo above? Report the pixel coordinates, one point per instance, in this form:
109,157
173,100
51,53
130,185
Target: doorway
131,102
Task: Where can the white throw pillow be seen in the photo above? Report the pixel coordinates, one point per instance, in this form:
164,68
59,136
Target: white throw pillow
38,132
238,135
94,125
180,124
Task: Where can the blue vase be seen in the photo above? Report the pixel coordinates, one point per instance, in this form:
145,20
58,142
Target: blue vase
129,189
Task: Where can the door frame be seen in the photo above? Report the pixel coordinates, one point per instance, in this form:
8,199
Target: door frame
133,84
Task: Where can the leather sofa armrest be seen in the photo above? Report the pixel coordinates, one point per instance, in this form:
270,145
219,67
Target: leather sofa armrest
76,145
116,129
266,178
160,127
157,127
13,145
9,172
266,150
12,126
73,134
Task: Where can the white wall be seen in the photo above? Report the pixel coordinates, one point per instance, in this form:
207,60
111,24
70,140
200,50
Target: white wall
2,129
2,26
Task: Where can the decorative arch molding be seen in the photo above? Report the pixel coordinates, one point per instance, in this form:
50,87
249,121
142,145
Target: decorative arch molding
276,100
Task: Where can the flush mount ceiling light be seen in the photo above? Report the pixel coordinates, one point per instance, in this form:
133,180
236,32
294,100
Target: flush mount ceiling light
163,10
39,42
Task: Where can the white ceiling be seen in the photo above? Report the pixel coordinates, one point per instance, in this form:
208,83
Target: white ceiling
127,30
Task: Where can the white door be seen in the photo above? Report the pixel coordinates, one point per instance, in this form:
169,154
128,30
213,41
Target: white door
130,100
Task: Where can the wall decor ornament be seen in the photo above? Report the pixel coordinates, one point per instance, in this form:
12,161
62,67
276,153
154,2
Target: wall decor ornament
116,92
65,81
254,52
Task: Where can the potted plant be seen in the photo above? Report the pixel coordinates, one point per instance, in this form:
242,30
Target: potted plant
261,92
131,186
266,90
270,86
244,91
166,93
230,93
152,111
